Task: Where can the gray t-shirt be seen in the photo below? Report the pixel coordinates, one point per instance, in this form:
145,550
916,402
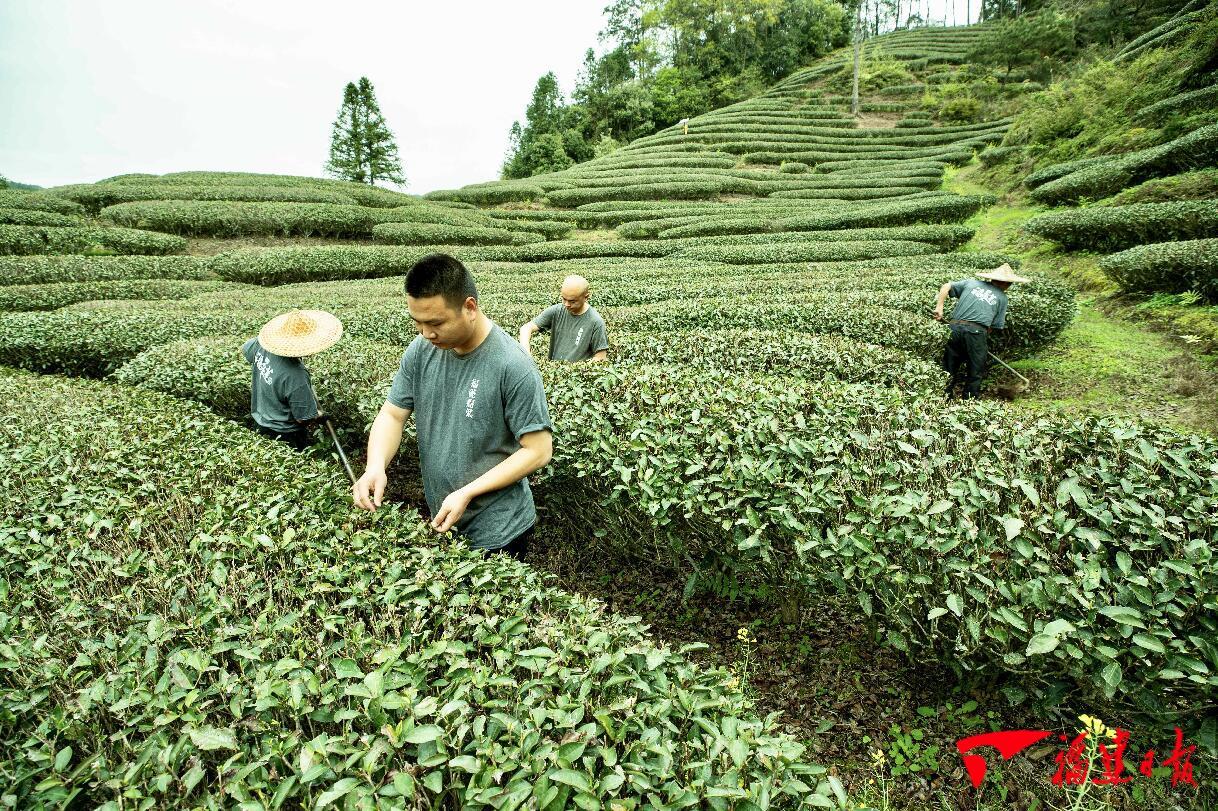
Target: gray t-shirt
979,301
574,337
281,392
470,411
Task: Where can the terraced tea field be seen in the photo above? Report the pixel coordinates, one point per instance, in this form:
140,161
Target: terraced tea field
194,616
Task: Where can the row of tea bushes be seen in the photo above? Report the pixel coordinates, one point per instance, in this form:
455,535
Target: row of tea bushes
1046,555
38,201
822,159
1173,267
1109,228
26,240
362,193
1105,177
71,268
94,197
491,194
267,645
211,218
835,251
1162,34
399,233
1180,103
95,338
61,294
28,216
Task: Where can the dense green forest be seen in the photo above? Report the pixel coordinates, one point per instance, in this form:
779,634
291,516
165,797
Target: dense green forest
666,60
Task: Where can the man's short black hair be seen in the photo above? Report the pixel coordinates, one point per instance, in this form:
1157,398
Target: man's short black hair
439,274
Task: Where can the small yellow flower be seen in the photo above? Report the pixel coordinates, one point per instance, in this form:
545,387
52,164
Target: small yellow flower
744,635
878,757
1094,726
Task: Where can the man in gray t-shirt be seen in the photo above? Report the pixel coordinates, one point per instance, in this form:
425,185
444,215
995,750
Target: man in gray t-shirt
577,331
479,408
281,397
981,306
282,401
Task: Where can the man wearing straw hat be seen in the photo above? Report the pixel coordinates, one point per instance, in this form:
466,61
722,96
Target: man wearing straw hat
577,331
479,410
981,306
282,402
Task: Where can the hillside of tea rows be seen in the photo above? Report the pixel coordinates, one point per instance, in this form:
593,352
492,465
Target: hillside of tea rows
195,616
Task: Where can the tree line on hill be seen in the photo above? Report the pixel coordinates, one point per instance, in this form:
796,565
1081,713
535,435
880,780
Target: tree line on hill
674,59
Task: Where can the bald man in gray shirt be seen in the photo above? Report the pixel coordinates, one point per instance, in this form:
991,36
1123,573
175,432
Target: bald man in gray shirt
577,331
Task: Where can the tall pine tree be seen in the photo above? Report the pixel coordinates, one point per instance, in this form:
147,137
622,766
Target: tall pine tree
362,148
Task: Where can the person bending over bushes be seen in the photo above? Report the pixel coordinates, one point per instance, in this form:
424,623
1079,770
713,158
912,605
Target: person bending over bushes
982,306
282,402
480,410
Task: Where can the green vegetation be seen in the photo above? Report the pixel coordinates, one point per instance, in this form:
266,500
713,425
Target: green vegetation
37,239
768,438
362,149
400,233
1173,267
1115,227
235,633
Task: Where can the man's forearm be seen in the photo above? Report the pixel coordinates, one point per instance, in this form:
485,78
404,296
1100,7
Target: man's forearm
383,441
526,333
941,299
511,470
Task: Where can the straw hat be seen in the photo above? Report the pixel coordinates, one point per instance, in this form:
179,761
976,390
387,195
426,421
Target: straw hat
1004,273
300,333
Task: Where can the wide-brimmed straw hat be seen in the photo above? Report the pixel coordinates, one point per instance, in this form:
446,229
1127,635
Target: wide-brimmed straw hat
300,332
1003,273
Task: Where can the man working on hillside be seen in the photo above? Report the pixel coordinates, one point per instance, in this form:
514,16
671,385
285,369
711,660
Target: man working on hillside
982,306
577,329
282,402
479,408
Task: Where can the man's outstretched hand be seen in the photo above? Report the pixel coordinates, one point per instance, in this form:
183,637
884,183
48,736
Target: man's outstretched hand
450,511
369,491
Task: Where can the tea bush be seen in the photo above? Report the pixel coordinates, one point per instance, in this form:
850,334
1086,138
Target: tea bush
362,193
325,263
427,234
1198,185
97,196
804,252
1058,170
1172,267
943,209
690,190
994,155
272,646
38,201
1181,103
1197,149
53,296
1159,35
228,219
50,269
849,194
843,499
25,240
548,229
491,194
1110,228
27,216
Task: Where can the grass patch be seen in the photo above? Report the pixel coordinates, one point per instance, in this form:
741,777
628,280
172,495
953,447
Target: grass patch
1106,363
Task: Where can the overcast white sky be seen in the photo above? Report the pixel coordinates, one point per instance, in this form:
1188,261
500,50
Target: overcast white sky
94,88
